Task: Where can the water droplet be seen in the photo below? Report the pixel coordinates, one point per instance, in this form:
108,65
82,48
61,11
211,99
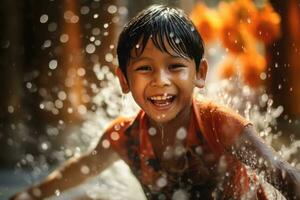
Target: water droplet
82,109
42,106
168,153
171,35
81,71
109,57
53,64
117,127
264,97
105,25
24,196
58,104
55,111
29,158
97,42
96,31
161,182
85,169
68,15
28,85
64,38
181,133
57,193
84,10
105,144
62,95
180,194
123,10
74,19
92,39
263,76
114,136
179,150
152,131
44,18
10,109
46,44
36,192
90,48
199,150
70,110
112,9
44,146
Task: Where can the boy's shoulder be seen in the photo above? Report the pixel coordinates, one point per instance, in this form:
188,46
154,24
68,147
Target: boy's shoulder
219,121
212,108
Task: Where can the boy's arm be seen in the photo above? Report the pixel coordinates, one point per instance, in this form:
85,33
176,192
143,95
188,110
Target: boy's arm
72,173
252,151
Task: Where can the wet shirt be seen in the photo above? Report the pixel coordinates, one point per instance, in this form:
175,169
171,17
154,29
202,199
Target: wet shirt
203,171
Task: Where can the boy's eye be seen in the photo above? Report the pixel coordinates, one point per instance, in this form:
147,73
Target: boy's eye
176,66
143,68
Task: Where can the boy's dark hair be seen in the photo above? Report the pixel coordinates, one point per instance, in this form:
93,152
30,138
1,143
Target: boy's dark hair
161,24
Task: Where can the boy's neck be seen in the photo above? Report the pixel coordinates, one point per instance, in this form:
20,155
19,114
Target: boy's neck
170,128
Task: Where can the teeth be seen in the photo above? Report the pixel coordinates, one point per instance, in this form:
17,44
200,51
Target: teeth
158,98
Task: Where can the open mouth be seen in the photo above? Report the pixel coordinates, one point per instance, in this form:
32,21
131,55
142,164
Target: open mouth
162,101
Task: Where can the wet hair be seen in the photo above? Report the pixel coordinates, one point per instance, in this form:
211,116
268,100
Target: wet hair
162,24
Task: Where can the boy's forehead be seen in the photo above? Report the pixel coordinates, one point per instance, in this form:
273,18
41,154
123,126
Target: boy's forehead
150,46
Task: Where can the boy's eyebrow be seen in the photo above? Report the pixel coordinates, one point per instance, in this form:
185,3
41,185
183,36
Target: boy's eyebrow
139,58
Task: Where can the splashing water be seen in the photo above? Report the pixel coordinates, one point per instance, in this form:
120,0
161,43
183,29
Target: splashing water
117,182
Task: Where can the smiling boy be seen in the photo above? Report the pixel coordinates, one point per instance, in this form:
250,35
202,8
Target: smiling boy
177,146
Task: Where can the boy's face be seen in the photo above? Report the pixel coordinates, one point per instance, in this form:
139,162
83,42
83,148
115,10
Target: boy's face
162,84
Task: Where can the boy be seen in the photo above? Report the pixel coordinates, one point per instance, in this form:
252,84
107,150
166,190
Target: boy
176,146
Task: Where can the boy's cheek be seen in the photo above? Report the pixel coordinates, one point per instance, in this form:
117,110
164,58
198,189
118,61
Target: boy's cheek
184,76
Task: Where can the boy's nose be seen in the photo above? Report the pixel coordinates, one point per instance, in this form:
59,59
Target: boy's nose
160,79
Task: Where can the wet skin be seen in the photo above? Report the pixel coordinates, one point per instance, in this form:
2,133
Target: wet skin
162,85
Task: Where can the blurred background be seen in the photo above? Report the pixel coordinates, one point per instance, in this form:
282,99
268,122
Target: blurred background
58,89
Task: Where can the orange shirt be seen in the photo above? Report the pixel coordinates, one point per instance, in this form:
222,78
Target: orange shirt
209,171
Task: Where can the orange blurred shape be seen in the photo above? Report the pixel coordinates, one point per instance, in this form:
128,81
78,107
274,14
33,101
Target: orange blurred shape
207,21
266,26
234,39
236,17
244,10
252,66
227,68
236,12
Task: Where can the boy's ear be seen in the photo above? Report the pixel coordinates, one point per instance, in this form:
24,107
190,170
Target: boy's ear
201,74
122,80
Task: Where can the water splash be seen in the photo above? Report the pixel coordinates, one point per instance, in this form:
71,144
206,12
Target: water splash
117,182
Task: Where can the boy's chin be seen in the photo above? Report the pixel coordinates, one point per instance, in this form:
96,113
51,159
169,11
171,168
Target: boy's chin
160,119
